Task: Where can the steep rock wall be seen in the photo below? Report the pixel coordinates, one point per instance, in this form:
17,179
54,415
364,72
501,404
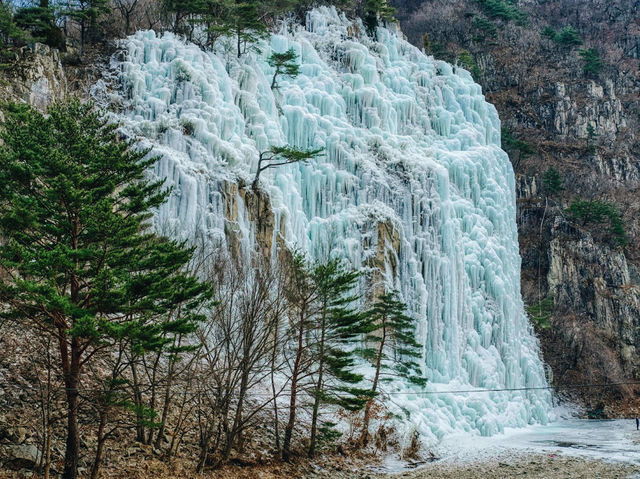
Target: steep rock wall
34,76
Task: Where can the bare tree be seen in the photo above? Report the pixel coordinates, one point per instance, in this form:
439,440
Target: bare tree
236,356
127,8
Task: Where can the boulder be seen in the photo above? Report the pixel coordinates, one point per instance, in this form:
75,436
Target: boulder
22,456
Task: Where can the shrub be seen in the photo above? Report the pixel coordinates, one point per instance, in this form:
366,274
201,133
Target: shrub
540,312
511,143
592,64
552,181
599,212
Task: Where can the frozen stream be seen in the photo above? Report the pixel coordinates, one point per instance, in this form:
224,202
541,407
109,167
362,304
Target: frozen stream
609,440
615,441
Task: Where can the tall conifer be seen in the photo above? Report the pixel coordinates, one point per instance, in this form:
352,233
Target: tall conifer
395,349
78,259
338,324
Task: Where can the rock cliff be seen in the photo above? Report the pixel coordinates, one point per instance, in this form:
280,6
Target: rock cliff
35,76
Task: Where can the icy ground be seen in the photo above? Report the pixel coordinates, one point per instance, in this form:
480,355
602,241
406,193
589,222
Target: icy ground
608,440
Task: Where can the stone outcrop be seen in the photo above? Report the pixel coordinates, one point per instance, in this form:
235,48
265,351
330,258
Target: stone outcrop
34,76
238,200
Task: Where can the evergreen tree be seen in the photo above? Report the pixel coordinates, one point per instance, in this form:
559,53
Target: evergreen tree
10,32
40,23
285,64
86,13
387,325
592,63
217,17
247,25
568,36
552,181
181,9
337,325
79,262
280,156
374,12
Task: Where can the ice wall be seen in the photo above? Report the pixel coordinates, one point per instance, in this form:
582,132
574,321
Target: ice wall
412,181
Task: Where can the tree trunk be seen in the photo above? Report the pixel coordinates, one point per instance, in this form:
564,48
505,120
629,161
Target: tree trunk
101,440
137,400
47,452
176,23
71,370
288,432
318,390
276,428
236,428
364,436
204,449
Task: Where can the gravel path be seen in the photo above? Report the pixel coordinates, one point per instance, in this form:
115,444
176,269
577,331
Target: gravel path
536,466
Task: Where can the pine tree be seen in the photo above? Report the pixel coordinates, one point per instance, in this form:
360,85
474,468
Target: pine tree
336,326
79,262
374,12
301,294
181,9
40,23
86,14
10,32
285,64
280,156
592,63
217,17
247,25
387,325
552,181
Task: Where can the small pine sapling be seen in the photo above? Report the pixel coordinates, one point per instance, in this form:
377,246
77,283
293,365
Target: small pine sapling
282,155
285,64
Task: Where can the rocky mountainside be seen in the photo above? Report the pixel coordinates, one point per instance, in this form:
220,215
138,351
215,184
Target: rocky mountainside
37,77
564,77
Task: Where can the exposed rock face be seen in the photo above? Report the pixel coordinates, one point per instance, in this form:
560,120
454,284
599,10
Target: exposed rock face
597,325
585,125
35,77
259,213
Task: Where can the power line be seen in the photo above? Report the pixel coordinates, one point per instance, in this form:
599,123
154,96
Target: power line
389,393
533,388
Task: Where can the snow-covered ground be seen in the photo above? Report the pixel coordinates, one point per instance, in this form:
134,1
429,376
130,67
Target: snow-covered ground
615,441
610,440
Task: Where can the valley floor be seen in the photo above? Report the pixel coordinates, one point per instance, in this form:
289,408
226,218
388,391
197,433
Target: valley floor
535,466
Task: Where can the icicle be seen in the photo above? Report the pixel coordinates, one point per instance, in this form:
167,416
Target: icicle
407,143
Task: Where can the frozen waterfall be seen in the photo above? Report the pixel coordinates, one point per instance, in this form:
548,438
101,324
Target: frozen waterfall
412,184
